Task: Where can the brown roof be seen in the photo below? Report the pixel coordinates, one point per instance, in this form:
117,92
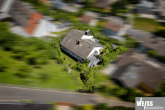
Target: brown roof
157,44
102,3
161,5
146,74
86,18
113,26
70,43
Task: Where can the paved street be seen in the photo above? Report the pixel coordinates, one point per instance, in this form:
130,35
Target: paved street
17,93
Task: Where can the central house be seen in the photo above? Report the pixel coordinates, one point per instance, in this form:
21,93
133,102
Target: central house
82,45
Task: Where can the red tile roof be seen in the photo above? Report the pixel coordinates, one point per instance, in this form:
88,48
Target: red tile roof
113,26
33,22
86,18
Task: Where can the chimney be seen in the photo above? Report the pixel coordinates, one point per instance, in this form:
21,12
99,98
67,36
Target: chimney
79,42
87,32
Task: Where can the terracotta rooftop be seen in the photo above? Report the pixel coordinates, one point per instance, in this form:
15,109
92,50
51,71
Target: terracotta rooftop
33,22
86,18
113,26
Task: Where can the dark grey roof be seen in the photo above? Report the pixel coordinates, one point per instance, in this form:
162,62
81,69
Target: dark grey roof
6,5
161,5
58,3
21,12
120,71
70,43
24,106
147,4
133,70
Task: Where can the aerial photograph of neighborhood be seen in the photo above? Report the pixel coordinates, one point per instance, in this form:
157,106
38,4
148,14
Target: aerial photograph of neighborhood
81,54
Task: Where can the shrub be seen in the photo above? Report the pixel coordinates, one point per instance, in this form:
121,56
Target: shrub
66,68
88,107
152,53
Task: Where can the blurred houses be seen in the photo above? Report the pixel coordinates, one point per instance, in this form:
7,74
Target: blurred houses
89,20
103,4
136,70
92,14
115,30
152,9
81,46
59,4
148,41
26,21
5,8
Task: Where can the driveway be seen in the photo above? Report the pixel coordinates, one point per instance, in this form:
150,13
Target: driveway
17,93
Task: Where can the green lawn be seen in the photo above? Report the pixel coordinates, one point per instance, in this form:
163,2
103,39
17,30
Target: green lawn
146,24
68,59
58,78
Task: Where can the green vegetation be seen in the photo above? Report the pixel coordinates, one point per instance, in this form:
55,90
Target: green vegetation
32,62
127,94
102,106
119,6
160,32
129,42
160,92
35,60
154,54
146,24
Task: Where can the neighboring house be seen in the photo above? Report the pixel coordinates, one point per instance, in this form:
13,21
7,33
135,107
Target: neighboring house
161,9
5,8
25,106
59,4
81,46
146,7
28,21
136,70
152,43
153,8
89,20
103,4
147,41
114,30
